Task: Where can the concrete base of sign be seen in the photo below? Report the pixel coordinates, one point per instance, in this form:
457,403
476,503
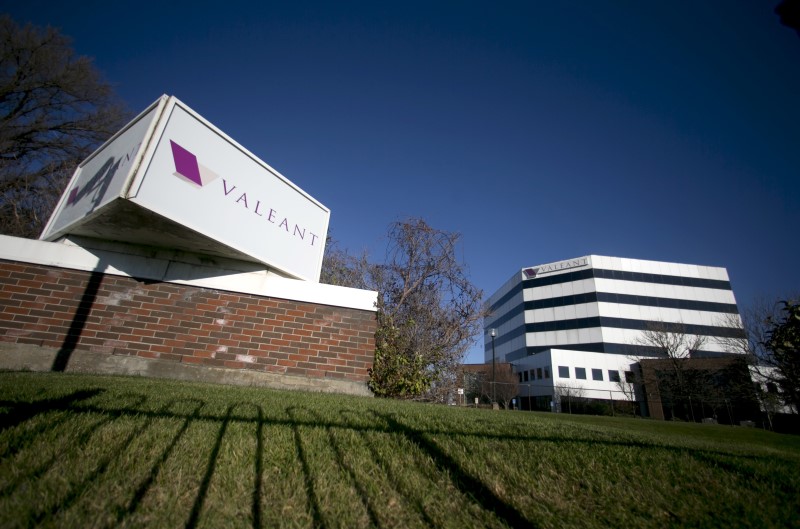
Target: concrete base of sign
22,357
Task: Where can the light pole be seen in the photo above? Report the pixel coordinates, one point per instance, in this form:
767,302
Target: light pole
493,333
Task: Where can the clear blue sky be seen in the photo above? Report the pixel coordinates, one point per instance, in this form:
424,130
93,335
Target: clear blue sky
538,130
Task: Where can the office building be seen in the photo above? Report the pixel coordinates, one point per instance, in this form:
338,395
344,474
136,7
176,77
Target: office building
579,323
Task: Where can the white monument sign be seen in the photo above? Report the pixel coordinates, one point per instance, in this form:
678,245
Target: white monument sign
170,178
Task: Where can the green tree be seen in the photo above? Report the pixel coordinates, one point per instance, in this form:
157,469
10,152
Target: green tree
757,323
54,111
397,371
783,344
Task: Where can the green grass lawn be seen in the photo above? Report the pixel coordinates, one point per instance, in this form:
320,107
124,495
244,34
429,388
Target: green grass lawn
91,451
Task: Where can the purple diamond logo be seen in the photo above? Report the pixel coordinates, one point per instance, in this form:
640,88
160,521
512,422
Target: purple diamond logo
531,272
187,168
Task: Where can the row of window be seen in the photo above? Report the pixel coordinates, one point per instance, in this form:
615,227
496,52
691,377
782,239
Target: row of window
539,373
610,274
630,299
639,277
639,325
580,373
597,374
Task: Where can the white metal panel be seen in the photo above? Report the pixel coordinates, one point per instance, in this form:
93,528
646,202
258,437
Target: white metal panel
584,335
615,286
204,180
103,176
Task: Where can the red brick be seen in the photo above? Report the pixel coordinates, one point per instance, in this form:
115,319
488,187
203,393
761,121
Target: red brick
183,323
235,364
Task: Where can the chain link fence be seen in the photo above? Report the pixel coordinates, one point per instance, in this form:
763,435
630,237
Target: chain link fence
632,402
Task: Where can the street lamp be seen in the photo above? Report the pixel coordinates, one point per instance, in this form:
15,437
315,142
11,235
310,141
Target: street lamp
493,333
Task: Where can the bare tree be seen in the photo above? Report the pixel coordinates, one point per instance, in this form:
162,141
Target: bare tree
54,110
627,387
630,384
569,395
426,296
473,382
428,310
504,387
752,322
343,269
672,342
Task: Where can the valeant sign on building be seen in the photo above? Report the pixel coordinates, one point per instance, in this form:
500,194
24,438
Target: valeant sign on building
172,179
530,273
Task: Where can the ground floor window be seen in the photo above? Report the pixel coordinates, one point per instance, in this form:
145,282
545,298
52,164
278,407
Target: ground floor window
541,403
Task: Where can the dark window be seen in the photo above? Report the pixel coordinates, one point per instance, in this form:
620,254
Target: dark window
520,376
597,374
526,376
630,377
563,372
547,372
772,387
613,375
539,373
580,373
626,323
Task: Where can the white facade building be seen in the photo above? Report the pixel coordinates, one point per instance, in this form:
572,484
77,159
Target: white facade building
576,323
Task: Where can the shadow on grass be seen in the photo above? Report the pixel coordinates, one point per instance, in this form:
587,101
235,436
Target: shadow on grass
414,497
81,441
22,411
316,512
100,467
212,462
341,461
148,481
462,480
297,418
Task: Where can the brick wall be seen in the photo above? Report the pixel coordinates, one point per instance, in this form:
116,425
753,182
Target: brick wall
721,386
116,315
